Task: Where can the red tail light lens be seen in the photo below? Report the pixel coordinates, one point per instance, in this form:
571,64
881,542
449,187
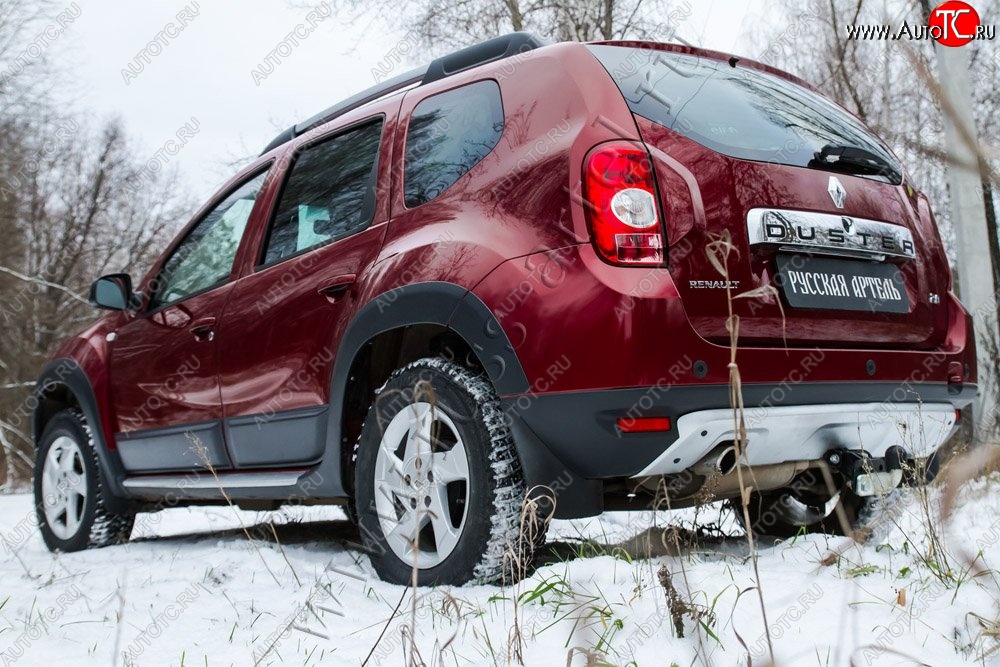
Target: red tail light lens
620,201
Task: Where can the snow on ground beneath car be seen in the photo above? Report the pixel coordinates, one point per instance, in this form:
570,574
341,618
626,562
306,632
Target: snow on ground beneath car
212,586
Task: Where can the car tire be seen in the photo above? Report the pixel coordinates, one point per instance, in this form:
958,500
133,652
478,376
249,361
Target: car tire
69,488
440,490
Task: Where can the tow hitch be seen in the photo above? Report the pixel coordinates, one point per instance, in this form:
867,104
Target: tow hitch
867,475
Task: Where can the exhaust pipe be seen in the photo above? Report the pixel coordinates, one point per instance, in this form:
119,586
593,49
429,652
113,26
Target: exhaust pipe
720,461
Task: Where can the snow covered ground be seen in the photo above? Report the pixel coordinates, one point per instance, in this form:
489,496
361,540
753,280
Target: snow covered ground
194,588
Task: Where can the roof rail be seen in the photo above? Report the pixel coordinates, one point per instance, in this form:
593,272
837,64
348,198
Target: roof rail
351,103
497,48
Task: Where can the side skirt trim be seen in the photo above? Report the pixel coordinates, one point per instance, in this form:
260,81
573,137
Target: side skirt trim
233,480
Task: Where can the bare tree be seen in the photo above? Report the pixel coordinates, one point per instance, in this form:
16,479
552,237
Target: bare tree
66,216
890,85
878,80
454,23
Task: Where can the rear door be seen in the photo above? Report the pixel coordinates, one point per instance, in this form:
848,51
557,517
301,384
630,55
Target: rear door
832,251
164,361
281,328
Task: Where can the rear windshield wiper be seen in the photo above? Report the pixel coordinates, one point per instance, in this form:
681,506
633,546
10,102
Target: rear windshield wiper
854,160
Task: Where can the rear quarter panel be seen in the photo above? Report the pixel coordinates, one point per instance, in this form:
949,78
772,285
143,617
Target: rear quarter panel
558,103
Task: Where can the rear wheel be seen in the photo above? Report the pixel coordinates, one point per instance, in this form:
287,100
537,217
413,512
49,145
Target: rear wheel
70,491
439,484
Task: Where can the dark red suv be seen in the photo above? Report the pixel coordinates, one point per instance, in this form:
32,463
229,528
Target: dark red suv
512,275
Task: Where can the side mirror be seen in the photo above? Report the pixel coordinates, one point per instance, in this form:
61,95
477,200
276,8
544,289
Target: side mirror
112,292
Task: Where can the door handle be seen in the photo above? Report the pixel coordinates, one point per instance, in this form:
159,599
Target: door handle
337,287
204,329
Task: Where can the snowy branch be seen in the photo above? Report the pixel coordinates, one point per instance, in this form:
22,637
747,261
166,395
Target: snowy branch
45,283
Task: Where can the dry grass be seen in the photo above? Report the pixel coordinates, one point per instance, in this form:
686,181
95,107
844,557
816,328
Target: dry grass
719,251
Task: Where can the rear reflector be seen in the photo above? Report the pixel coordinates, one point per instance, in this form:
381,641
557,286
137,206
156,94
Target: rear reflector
643,424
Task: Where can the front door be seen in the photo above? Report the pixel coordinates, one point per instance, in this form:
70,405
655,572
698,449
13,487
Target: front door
164,360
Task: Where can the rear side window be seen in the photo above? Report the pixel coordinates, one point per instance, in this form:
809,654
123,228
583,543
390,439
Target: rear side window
736,111
448,135
330,193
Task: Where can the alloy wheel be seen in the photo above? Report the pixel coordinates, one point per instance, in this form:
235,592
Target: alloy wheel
64,487
422,485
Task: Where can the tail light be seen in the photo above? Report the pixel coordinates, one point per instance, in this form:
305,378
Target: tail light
619,193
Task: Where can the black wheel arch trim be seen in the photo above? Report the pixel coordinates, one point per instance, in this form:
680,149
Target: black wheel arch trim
437,302
445,304
64,372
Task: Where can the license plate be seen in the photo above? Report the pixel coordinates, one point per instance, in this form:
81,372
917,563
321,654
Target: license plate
841,284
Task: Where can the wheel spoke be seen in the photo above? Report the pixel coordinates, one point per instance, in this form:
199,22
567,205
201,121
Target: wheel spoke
66,460
51,473
450,466
72,515
59,506
418,438
390,459
403,531
74,482
391,491
445,535
50,481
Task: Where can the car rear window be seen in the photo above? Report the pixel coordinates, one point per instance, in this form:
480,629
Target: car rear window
737,111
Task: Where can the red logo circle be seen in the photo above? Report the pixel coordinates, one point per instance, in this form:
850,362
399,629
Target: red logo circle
953,23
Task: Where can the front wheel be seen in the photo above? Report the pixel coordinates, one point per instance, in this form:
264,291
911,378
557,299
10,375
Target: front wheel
440,491
70,492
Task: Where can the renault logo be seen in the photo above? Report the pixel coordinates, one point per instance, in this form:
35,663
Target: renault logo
837,192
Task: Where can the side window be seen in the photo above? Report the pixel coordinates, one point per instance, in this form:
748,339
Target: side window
330,193
205,257
448,135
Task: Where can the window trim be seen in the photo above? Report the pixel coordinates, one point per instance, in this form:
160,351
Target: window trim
293,159
148,310
406,134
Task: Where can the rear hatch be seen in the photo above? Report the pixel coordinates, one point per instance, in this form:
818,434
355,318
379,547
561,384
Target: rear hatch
829,244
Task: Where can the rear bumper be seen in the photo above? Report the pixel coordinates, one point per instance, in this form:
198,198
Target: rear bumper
808,432
784,423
